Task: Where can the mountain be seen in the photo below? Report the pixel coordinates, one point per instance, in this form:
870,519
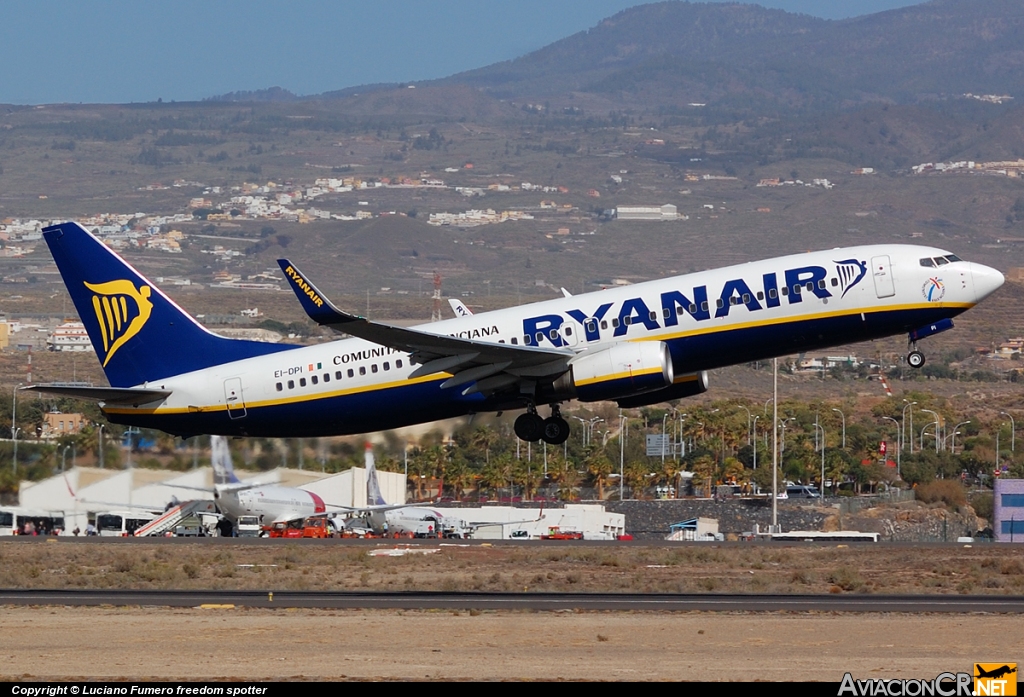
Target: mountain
674,53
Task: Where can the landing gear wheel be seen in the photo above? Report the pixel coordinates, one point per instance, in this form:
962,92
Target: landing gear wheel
556,430
530,427
915,359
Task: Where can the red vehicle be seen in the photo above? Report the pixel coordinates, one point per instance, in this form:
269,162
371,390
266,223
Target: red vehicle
315,527
556,533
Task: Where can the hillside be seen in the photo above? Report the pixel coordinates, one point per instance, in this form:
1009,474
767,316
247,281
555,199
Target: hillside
742,55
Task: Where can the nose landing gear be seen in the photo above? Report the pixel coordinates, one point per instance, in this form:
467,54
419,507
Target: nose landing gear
915,359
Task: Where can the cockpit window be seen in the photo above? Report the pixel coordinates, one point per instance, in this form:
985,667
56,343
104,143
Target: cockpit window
940,261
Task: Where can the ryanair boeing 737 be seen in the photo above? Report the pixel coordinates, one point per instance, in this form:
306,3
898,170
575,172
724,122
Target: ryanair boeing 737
636,345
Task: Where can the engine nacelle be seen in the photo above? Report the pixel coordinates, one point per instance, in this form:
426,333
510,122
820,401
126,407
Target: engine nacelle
622,371
684,386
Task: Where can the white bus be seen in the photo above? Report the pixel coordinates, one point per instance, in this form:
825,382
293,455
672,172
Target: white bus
15,520
122,523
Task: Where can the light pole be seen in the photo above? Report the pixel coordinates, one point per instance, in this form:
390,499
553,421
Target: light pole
755,440
929,411
840,412
1013,427
911,407
14,426
952,448
100,446
622,454
63,457
822,492
748,421
663,440
899,444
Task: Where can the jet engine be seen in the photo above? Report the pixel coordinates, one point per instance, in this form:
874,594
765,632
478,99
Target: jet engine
684,386
619,372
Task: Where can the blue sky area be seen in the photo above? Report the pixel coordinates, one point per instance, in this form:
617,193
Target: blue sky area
117,51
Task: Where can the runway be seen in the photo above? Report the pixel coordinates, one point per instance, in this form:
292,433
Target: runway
651,602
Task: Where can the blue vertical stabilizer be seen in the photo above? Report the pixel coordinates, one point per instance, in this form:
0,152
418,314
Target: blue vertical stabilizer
139,334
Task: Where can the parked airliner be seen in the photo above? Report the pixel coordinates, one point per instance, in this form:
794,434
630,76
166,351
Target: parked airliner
636,345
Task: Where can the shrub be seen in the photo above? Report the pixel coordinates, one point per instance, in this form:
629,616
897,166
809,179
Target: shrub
948,491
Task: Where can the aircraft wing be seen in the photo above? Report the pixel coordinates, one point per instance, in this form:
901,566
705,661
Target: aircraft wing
487,364
109,395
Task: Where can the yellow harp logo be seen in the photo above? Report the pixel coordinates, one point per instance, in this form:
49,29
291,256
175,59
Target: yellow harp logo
121,311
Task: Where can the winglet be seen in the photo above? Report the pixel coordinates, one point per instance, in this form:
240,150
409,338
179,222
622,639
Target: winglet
318,307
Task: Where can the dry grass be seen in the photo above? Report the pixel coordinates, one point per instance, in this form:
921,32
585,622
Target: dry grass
629,568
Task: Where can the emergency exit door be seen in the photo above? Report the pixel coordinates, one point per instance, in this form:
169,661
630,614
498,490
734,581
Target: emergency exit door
881,271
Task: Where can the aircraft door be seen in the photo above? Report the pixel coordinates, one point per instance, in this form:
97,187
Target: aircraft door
881,271
233,398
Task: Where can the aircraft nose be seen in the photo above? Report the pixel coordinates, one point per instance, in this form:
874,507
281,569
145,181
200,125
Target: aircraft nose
986,280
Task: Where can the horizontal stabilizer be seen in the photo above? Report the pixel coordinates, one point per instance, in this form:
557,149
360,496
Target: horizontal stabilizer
109,395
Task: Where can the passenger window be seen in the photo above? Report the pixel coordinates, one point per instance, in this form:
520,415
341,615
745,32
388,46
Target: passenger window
362,370
746,298
280,387
627,320
615,322
665,311
291,384
373,368
527,340
821,284
785,290
772,293
387,365
315,380
604,324
704,306
351,373
302,382
553,334
327,377
540,337
515,341
719,303
693,309
796,289
760,295
568,331
810,285
337,375
928,262
500,341
835,282
733,300
591,326
654,316
398,364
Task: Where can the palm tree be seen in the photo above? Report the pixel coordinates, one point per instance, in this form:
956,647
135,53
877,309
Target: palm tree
599,467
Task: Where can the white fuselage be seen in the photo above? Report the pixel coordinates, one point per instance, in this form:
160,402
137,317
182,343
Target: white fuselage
708,319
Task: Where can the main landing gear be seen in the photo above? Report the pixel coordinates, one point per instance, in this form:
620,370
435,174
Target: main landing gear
531,427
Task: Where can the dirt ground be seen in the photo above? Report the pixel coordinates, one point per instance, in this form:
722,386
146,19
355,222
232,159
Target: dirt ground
252,645
629,567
